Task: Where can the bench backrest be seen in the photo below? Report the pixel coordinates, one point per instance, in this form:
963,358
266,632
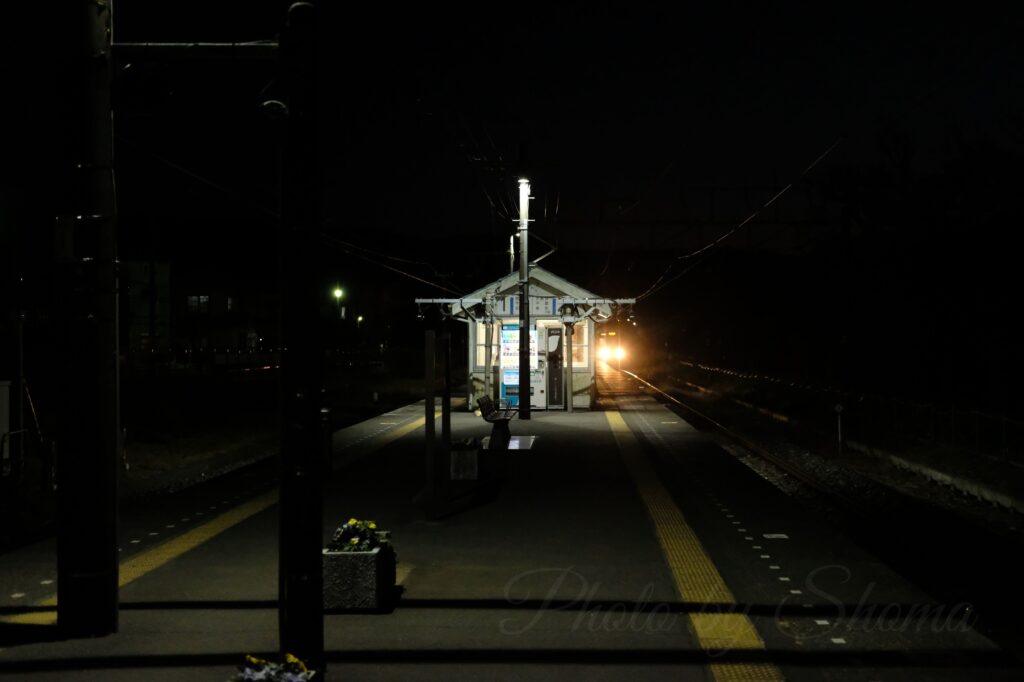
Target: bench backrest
486,405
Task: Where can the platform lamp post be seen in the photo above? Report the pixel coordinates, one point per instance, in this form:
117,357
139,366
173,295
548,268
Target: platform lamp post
338,294
524,300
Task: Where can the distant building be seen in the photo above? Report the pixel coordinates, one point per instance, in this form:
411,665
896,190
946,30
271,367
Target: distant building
146,305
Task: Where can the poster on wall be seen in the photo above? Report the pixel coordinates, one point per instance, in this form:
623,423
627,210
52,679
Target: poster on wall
510,348
510,363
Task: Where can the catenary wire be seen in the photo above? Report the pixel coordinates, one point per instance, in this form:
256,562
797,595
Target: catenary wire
661,282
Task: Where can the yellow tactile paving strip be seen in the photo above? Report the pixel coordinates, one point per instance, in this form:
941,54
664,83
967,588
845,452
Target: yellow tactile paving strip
149,560
694,574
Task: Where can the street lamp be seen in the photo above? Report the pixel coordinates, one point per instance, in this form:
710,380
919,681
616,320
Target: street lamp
359,321
338,293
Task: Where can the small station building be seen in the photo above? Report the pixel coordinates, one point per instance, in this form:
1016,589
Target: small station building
563,316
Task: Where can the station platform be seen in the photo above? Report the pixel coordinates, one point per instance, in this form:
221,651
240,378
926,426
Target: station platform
623,545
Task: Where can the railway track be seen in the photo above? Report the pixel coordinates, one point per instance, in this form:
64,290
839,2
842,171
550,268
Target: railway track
849,503
925,542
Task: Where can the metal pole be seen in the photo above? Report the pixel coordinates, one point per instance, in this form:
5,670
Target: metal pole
488,344
429,379
524,300
567,364
87,562
19,447
446,392
300,574
839,427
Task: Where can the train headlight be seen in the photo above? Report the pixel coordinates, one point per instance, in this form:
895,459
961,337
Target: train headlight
604,353
620,353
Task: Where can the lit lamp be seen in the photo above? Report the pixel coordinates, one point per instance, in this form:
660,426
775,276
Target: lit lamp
338,293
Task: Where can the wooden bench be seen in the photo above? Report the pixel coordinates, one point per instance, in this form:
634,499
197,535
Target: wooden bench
498,417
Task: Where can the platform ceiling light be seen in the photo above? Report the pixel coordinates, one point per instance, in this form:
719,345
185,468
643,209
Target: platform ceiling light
338,292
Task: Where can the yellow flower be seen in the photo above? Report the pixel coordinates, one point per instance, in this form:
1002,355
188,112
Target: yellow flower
295,661
372,525
252,660
354,541
352,522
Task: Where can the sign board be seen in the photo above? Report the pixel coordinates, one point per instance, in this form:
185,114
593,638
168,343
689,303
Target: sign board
510,348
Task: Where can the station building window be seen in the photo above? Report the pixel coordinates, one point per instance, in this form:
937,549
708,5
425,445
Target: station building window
580,346
480,359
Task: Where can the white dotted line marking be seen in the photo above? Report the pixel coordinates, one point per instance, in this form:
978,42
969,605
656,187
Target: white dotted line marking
153,533
784,579
17,595
48,581
838,640
169,525
821,622
775,536
774,568
134,542
741,530
750,538
796,591
766,556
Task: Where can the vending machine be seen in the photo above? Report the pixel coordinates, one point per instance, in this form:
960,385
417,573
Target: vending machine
510,368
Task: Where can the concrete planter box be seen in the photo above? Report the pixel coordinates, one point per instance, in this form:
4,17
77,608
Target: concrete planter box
359,581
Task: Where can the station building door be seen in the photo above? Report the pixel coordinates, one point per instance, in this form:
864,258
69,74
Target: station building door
555,377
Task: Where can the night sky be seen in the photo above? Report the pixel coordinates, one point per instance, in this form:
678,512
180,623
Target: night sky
647,133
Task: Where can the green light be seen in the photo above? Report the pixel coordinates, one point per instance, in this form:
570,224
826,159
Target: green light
338,293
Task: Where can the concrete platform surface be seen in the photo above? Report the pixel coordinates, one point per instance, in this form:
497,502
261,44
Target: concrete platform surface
624,545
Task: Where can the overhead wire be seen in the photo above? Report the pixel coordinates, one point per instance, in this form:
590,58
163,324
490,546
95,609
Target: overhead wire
661,282
347,248
237,196
650,188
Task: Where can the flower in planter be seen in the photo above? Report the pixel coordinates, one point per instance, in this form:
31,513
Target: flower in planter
256,669
358,536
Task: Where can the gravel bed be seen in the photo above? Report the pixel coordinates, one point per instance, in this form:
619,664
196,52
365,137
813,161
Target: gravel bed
862,482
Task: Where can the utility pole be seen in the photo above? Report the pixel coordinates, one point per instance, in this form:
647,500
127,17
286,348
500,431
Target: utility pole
524,300
88,412
300,573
